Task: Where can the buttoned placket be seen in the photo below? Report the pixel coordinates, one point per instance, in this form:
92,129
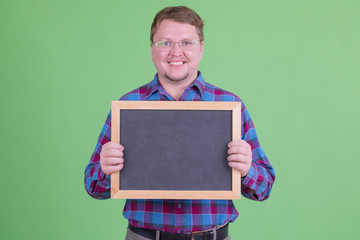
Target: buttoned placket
179,215
164,94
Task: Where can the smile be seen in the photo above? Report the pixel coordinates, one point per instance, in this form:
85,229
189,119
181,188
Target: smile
176,63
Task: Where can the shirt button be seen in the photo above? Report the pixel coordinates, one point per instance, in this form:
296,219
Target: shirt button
179,206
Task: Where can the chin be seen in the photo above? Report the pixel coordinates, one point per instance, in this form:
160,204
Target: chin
176,78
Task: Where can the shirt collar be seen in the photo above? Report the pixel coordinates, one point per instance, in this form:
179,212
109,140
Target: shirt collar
200,84
155,85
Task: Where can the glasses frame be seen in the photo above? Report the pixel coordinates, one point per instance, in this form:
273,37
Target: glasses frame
172,44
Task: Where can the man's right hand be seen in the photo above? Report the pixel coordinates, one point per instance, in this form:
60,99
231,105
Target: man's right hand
111,157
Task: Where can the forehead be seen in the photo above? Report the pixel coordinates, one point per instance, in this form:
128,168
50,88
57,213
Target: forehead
172,30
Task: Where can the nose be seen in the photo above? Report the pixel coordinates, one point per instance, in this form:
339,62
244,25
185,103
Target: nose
176,49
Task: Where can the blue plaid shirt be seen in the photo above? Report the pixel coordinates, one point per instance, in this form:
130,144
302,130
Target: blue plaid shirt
184,216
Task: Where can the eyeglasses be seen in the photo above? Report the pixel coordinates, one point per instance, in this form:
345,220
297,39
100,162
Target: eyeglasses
168,45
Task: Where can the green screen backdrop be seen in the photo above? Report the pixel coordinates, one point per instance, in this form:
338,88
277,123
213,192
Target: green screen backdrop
295,64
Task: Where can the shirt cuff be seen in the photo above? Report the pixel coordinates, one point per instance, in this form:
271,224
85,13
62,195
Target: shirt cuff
251,175
98,173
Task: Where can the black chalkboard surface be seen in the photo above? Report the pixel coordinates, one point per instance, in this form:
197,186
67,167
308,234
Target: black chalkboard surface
175,150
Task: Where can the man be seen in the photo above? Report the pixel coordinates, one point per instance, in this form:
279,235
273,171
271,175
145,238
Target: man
177,45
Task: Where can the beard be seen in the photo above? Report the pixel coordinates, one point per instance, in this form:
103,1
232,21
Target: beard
178,79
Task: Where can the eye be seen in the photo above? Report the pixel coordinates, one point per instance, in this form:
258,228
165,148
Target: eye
164,44
186,43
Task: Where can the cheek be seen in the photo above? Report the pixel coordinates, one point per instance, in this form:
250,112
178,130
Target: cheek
194,56
158,57
159,62
189,55
155,59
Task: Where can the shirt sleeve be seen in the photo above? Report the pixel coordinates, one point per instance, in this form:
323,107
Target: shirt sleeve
257,184
97,183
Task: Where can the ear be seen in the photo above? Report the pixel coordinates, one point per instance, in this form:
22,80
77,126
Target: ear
202,48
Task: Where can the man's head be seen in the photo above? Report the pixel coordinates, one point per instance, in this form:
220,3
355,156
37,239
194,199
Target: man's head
180,14
177,44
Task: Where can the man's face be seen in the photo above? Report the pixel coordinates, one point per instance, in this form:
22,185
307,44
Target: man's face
176,65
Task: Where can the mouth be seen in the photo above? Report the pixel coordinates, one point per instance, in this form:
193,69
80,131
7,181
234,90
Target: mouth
177,63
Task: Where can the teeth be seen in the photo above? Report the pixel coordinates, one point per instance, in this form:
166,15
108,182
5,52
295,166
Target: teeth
176,63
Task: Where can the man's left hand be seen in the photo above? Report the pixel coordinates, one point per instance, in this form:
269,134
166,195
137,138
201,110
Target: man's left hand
240,156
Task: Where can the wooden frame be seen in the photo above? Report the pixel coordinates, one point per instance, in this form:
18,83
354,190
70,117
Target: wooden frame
235,107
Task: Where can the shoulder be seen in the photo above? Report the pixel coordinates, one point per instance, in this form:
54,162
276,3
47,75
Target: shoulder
214,93
137,94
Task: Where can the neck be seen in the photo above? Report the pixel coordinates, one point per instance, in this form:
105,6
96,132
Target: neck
175,89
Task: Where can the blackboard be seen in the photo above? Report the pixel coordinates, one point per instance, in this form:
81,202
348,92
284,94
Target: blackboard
175,150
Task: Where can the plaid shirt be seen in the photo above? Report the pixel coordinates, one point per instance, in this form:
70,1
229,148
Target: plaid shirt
184,216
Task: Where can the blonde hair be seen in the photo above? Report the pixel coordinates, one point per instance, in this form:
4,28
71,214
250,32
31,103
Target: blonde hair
179,14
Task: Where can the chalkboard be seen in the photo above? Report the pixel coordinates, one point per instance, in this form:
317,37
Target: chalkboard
175,150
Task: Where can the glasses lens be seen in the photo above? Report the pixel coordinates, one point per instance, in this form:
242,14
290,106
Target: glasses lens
168,45
187,44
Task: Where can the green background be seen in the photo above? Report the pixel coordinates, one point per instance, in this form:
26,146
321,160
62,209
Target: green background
295,64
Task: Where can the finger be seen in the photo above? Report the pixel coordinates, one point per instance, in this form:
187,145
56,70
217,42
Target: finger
112,161
112,169
239,166
112,153
239,150
239,143
234,143
113,145
243,168
237,158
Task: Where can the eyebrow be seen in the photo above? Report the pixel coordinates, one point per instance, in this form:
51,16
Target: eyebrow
184,39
